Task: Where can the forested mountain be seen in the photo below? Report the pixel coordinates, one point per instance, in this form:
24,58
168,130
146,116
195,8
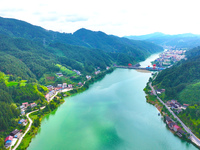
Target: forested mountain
186,40
30,51
109,43
180,76
30,57
182,82
17,28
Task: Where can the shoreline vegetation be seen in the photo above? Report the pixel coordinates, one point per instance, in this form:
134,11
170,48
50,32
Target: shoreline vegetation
164,112
37,116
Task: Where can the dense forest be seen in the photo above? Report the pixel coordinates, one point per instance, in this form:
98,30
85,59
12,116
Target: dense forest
182,82
30,57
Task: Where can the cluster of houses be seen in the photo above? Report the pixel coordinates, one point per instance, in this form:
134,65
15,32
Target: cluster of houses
174,127
24,106
174,104
11,139
53,90
169,56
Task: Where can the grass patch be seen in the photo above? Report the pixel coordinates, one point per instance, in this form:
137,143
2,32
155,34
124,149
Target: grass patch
22,84
12,83
66,71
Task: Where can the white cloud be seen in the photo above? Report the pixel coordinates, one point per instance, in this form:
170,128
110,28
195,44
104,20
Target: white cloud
127,17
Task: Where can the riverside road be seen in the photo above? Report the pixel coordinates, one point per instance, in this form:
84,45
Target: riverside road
193,138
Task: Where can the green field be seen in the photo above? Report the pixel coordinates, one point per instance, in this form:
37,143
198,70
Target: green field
12,83
66,71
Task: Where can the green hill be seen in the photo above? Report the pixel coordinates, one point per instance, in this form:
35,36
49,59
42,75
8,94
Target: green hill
182,82
30,57
113,44
30,51
18,28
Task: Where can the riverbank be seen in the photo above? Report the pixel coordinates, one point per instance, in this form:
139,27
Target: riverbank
112,114
39,115
165,111
35,123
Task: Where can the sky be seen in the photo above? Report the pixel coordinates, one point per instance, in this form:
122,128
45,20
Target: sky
117,17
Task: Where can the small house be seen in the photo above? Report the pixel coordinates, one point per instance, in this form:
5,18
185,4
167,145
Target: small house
176,128
97,72
59,85
59,74
58,88
22,113
171,125
9,138
185,105
70,86
80,83
50,87
88,77
33,105
181,131
22,121
168,119
22,107
7,145
25,104
13,133
47,97
64,85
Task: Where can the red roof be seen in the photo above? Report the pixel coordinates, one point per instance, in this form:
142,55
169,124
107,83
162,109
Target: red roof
177,127
8,138
25,103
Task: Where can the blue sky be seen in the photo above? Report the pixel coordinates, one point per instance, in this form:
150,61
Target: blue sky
123,17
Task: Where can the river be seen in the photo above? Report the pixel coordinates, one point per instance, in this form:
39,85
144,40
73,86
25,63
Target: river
111,115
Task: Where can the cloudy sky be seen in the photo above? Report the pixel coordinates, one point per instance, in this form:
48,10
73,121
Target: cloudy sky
122,17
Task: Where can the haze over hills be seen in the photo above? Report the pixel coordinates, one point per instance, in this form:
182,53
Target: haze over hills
186,40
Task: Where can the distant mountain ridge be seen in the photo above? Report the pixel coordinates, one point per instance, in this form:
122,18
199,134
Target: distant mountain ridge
18,28
146,36
186,40
37,50
113,44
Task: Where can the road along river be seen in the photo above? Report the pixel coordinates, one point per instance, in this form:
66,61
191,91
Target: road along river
111,115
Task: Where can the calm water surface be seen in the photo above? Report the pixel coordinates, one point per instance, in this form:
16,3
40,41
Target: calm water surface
111,115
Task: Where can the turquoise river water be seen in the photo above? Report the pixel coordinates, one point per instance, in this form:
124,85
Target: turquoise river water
111,115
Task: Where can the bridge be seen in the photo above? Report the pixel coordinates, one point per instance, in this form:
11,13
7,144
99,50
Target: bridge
141,68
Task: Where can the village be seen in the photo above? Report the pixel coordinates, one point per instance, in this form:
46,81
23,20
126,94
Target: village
169,57
176,107
15,135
